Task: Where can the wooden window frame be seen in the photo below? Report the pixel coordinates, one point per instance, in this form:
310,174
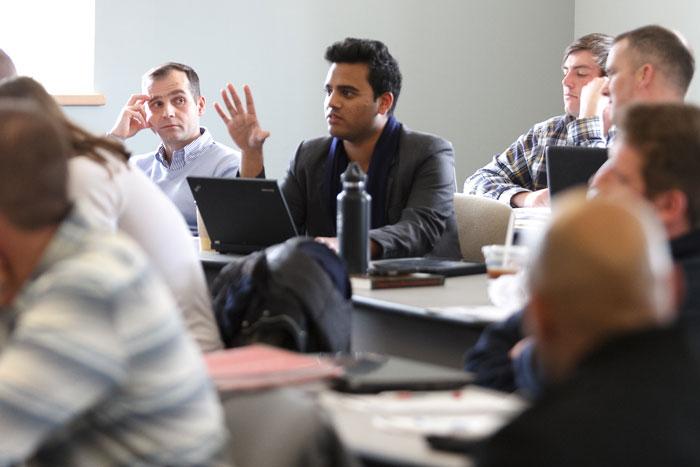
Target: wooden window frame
95,99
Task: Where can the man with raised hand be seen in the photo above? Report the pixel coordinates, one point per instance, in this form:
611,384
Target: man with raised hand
410,175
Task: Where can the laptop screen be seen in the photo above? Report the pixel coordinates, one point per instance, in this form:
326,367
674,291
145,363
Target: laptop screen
569,166
242,215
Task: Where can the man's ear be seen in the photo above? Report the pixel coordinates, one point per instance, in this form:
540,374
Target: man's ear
645,74
201,104
672,209
386,101
538,320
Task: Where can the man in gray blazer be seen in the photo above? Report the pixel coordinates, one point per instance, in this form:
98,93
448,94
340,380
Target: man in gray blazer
410,174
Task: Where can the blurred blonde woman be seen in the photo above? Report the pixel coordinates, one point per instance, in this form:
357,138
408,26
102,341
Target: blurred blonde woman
115,197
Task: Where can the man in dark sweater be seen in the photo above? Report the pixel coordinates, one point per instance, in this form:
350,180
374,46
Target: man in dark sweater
621,384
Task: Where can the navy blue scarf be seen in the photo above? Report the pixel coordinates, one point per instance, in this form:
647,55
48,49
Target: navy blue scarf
377,177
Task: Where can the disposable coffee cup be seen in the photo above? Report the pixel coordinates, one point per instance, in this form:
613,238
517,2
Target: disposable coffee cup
204,241
502,259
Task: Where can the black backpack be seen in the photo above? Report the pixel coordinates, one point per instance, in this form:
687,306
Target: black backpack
295,295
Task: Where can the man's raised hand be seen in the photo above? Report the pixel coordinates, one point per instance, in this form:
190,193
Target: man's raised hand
241,122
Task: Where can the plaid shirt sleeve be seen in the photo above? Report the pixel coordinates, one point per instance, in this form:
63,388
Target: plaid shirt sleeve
522,167
587,131
519,168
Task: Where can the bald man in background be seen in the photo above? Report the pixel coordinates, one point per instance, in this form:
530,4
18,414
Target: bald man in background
621,384
649,64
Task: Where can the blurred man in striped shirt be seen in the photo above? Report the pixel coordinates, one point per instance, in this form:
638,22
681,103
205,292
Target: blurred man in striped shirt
97,368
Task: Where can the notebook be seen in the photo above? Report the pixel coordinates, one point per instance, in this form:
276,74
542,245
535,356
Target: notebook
569,166
242,215
412,279
443,267
260,366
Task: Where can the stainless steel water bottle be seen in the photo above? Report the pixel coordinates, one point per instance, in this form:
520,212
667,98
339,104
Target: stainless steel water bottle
353,220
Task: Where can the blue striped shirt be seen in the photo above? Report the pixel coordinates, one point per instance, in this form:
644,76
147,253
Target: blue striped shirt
99,369
203,157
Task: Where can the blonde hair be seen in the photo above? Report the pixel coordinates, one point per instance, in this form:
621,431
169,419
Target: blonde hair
83,142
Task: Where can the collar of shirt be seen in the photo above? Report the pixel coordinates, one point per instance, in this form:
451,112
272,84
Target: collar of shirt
686,246
187,154
66,241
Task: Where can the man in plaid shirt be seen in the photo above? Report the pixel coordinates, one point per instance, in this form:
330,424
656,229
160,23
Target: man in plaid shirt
518,176
650,64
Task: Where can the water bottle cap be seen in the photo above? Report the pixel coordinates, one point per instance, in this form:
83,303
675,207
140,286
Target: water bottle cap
353,174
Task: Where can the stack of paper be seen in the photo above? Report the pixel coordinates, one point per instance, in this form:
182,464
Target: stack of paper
476,314
532,218
468,413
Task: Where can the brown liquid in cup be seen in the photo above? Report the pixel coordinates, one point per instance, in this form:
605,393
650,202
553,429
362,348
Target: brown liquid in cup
495,273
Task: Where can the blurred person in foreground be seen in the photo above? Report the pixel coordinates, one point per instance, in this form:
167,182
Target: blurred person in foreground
621,382
114,196
98,368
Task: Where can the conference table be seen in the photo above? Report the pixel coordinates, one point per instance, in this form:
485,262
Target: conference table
389,428
435,324
431,324
310,424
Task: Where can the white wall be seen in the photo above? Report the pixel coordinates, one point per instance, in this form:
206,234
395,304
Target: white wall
615,17
478,72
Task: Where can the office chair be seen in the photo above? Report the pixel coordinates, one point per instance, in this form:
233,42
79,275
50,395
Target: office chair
480,221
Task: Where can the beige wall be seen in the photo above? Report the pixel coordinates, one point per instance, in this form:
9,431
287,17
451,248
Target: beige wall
478,72
614,17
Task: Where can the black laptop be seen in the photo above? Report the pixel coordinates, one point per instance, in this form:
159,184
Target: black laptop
444,267
242,215
569,166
